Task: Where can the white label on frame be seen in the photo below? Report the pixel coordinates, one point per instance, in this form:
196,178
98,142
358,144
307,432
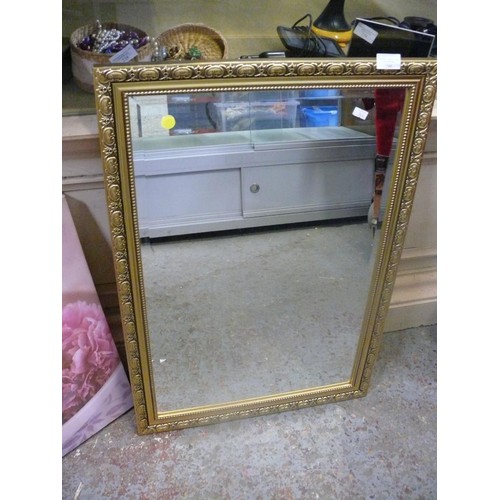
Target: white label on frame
365,32
388,61
360,113
125,55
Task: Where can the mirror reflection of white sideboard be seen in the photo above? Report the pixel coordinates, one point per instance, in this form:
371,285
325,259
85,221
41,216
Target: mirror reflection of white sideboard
230,187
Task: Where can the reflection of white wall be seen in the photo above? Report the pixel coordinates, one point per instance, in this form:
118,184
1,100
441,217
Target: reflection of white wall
249,27
147,111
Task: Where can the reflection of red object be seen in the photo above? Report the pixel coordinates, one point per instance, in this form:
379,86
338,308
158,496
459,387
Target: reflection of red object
388,103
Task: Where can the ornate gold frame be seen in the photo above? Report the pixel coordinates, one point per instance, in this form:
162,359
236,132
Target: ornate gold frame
113,84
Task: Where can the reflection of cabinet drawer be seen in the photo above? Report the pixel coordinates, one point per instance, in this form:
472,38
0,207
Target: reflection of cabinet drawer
281,189
181,203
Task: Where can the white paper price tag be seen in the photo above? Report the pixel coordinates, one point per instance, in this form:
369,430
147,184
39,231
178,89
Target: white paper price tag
365,32
388,61
360,113
125,55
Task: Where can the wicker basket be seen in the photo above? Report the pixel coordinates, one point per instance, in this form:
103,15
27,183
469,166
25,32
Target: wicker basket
180,39
82,61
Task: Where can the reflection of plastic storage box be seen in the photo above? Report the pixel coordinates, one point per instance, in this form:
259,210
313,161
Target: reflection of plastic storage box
318,109
320,93
320,116
233,116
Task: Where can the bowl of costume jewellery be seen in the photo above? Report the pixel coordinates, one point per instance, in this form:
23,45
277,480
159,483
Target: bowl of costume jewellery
97,43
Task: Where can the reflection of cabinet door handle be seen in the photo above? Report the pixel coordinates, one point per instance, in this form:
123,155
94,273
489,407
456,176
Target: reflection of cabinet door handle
254,188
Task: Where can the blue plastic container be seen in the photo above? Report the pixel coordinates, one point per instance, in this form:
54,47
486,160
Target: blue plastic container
321,93
320,116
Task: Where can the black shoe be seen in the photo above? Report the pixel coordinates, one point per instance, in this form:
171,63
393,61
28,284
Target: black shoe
301,41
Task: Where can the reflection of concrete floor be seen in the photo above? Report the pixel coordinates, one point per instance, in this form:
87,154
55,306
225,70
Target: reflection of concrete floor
382,446
255,313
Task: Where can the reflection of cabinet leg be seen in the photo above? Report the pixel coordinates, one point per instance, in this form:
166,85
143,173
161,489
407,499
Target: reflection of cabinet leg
380,173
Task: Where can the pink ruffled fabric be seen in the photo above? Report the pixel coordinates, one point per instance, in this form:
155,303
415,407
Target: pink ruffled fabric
89,355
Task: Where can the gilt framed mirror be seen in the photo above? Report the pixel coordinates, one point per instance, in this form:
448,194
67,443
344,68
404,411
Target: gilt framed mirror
256,235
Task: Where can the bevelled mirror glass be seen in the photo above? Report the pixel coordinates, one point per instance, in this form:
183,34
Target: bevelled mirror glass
258,211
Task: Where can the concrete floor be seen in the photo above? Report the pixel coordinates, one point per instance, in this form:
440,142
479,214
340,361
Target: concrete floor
380,447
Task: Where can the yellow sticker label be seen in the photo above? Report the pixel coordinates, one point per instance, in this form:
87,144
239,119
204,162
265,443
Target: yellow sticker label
168,122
